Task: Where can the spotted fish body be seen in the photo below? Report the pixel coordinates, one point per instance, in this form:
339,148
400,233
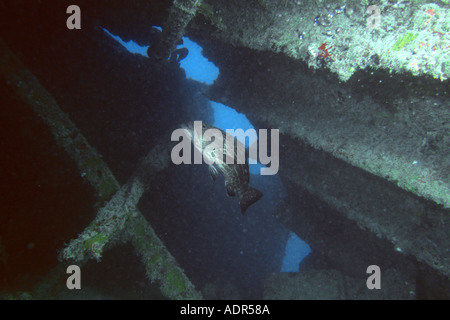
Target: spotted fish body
236,174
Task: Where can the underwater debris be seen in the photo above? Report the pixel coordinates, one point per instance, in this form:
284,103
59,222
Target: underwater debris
120,215
181,13
332,284
160,265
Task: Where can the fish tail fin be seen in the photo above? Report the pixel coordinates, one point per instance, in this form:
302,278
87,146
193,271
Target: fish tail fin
249,197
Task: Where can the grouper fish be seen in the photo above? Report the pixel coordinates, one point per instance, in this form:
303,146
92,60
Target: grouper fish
236,174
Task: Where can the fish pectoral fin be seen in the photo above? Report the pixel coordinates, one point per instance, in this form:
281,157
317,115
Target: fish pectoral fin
248,198
213,172
230,191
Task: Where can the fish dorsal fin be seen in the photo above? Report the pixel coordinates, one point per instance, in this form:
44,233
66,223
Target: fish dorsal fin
213,172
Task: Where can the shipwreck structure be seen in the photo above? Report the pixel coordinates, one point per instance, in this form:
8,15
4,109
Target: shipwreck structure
360,96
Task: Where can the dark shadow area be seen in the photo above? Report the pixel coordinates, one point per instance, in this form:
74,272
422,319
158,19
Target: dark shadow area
43,201
208,235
